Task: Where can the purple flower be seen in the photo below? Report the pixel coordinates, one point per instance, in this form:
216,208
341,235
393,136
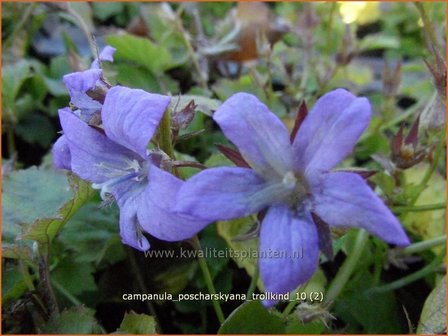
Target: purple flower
87,88
293,181
81,87
116,160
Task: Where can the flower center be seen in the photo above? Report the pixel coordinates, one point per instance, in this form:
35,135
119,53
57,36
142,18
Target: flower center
292,189
132,171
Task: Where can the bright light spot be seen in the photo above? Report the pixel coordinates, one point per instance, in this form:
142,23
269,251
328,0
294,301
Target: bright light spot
350,10
420,22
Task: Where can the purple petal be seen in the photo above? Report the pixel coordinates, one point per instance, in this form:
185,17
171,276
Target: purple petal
105,55
130,230
221,194
260,136
78,83
330,131
289,251
93,156
345,199
155,213
61,154
131,116
82,81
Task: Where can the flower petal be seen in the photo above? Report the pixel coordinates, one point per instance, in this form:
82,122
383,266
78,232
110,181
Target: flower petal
78,83
345,199
221,194
259,134
289,251
61,154
330,131
93,155
130,230
131,116
105,55
155,213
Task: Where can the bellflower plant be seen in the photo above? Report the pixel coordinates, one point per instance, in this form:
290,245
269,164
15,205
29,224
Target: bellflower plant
116,160
293,181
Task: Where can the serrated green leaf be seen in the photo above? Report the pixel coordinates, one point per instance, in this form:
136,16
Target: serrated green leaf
76,320
138,324
433,317
44,230
252,318
38,202
142,51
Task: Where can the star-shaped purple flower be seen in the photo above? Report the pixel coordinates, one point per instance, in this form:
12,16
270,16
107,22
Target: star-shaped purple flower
293,181
116,160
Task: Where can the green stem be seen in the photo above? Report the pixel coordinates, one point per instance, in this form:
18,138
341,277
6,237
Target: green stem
84,27
418,208
427,26
253,283
424,245
208,279
410,278
165,141
347,268
429,171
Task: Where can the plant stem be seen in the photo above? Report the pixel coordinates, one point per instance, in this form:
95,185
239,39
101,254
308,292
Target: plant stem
429,171
424,245
84,27
410,278
208,279
427,26
47,289
253,282
347,268
418,208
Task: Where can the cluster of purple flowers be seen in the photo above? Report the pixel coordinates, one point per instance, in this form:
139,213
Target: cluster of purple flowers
106,136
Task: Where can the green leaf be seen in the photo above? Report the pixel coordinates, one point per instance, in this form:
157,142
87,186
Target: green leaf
76,320
92,234
13,285
433,317
295,326
242,321
29,195
74,277
44,230
38,202
13,76
105,10
379,41
36,128
141,51
138,324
